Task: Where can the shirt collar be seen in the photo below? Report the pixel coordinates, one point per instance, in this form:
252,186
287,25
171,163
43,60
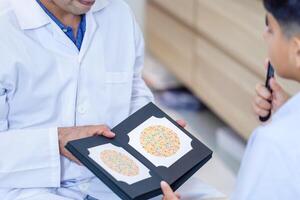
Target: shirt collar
34,16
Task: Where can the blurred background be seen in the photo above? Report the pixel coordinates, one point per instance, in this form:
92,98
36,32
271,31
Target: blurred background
203,60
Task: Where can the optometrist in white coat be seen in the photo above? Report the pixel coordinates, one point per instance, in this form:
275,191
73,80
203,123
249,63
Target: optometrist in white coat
46,82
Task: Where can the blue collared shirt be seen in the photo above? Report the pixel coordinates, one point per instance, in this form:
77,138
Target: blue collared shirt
67,29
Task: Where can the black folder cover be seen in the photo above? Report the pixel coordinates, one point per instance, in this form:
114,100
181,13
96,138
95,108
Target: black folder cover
175,174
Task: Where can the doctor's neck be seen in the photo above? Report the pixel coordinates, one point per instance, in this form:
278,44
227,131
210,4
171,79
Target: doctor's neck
63,13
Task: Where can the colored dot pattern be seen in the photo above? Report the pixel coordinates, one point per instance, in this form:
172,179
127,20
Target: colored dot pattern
160,141
119,163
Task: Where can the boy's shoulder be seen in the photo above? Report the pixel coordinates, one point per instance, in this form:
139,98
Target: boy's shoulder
287,125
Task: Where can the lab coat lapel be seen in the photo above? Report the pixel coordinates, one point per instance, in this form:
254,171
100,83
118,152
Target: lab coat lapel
91,27
63,39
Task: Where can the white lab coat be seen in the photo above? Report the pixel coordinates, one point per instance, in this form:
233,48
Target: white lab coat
45,83
271,165
3,4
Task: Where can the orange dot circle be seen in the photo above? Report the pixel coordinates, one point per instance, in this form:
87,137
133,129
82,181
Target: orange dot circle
160,141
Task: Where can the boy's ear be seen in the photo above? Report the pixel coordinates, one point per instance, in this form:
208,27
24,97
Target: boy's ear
296,51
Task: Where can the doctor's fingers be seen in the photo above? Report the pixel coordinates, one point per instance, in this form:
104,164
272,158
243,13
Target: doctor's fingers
63,151
101,130
68,155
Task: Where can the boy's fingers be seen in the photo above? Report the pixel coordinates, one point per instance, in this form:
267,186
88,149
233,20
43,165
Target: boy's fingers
267,63
182,123
167,190
263,92
275,86
178,195
260,112
262,103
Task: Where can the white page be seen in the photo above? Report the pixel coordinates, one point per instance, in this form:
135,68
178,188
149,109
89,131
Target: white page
137,169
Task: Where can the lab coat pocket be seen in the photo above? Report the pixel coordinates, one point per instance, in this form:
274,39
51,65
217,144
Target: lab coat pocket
118,92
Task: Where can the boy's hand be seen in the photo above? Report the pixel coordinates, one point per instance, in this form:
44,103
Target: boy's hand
73,133
182,123
168,192
262,105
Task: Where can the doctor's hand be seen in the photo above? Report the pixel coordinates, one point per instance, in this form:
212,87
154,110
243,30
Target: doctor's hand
73,133
168,192
264,100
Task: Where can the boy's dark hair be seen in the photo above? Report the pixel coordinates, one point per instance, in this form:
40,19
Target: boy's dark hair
287,13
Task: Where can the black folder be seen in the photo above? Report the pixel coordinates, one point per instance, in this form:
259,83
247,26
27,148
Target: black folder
175,171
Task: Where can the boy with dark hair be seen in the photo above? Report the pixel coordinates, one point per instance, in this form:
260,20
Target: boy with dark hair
271,165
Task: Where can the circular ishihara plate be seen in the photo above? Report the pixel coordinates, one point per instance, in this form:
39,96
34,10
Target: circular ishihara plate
160,141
